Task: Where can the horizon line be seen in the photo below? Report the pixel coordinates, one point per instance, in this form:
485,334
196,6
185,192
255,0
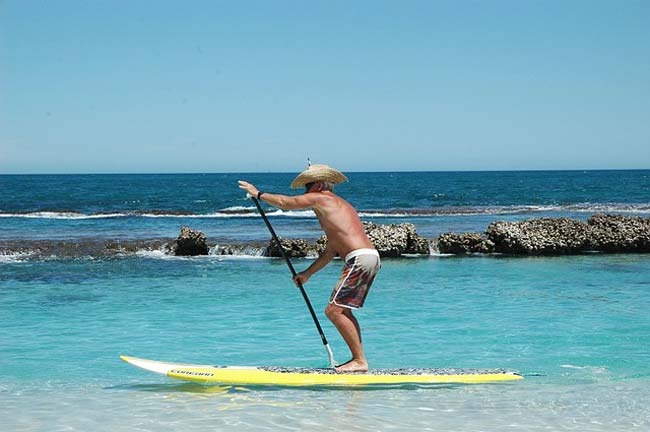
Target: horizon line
347,171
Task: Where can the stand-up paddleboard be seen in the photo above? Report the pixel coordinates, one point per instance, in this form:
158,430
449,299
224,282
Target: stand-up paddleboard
292,376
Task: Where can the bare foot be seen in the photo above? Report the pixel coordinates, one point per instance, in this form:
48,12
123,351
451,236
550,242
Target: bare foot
352,366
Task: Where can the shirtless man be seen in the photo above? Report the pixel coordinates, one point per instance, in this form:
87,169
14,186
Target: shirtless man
345,238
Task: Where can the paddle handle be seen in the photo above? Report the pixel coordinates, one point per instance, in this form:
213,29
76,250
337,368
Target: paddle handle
330,355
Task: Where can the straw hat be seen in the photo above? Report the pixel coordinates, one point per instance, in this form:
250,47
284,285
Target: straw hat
317,172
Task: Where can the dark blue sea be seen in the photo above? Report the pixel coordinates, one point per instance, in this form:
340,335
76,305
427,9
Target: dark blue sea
577,327
155,205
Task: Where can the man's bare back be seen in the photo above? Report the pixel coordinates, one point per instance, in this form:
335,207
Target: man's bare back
341,224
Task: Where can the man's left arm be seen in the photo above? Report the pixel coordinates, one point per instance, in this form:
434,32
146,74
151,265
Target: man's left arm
327,256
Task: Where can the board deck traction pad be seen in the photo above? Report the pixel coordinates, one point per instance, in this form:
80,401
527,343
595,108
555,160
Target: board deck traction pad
278,375
400,371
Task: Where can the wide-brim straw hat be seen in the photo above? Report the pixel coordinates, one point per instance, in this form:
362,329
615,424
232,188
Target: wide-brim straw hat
316,173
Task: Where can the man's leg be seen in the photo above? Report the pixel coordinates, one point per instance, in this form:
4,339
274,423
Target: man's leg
348,326
348,313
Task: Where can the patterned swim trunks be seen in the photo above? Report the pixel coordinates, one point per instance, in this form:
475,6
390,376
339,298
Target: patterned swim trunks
361,267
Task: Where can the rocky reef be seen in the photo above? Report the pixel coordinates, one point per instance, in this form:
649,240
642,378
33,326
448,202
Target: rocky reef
543,236
293,248
554,236
463,243
391,240
611,233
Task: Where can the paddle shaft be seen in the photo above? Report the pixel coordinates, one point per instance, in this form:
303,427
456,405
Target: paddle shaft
293,272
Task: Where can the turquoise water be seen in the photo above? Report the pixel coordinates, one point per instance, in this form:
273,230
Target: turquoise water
578,326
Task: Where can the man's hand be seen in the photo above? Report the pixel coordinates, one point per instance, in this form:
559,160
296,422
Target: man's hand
252,190
301,278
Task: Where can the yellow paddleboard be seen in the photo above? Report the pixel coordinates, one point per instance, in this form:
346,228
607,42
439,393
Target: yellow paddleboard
292,376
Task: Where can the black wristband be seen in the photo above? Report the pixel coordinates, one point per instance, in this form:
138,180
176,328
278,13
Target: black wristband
259,194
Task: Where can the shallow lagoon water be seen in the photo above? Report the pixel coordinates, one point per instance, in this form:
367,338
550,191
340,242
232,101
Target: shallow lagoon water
577,326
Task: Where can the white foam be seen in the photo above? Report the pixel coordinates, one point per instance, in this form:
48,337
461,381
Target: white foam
407,255
239,257
170,215
395,215
61,215
594,369
12,257
293,213
157,253
250,212
238,208
247,254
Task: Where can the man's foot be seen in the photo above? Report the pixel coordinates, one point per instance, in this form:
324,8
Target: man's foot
352,366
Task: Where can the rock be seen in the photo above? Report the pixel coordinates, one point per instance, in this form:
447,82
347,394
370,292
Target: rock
190,242
418,245
616,233
391,240
545,236
394,240
37,249
231,249
242,249
321,245
463,243
294,248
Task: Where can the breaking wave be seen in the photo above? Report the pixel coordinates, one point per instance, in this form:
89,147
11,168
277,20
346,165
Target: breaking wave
230,212
251,212
12,257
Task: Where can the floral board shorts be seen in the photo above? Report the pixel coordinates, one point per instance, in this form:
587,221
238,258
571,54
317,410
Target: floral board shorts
361,267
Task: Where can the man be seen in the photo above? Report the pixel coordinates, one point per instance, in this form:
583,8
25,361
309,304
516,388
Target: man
345,238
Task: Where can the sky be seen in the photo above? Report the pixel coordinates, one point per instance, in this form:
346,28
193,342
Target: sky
259,86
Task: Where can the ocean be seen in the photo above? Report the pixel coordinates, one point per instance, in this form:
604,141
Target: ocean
576,327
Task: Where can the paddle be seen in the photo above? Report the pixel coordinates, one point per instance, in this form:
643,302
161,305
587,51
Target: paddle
293,272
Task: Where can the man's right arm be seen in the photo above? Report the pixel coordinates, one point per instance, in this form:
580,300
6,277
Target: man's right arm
284,202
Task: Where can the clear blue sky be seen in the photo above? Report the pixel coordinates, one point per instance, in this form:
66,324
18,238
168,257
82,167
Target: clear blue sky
210,86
